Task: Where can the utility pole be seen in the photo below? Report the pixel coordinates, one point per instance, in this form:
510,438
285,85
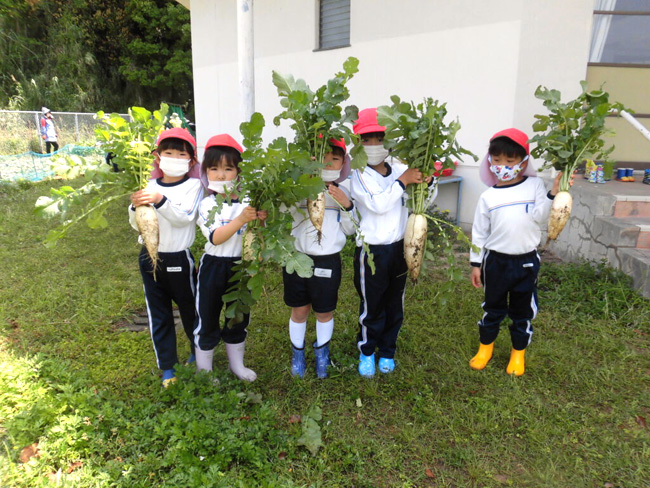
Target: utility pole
246,58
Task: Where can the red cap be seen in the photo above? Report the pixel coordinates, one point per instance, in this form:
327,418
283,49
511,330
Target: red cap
339,143
367,122
177,133
516,136
224,140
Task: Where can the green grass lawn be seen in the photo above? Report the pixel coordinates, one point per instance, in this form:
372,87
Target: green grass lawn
88,392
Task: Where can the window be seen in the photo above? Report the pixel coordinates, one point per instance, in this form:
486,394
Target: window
621,33
334,24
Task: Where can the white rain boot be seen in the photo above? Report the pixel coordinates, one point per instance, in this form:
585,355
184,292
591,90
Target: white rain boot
204,359
235,353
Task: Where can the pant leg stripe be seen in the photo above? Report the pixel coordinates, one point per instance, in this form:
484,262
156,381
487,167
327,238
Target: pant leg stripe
199,323
190,261
362,285
146,301
529,331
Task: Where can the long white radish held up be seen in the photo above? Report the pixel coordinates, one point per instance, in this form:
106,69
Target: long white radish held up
316,209
147,221
415,239
248,253
570,133
560,213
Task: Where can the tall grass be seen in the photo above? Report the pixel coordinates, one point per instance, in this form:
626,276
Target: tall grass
89,393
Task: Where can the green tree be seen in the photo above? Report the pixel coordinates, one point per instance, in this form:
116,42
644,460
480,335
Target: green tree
87,55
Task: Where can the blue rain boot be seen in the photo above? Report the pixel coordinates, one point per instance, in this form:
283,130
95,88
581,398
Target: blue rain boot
298,362
367,365
386,365
168,377
322,354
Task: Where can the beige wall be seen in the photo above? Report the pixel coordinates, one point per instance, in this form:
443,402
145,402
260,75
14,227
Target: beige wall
631,87
484,59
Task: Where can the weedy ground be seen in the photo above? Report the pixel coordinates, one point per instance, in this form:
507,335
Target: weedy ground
81,403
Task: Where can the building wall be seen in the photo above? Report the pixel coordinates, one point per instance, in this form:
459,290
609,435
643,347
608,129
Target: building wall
484,59
631,87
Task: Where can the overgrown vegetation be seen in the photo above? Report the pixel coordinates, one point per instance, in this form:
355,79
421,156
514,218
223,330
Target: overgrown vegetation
95,54
89,395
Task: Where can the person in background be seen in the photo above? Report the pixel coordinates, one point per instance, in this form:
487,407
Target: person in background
48,131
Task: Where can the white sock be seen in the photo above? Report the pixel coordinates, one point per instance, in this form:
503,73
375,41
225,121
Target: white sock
204,359
324,331
297,333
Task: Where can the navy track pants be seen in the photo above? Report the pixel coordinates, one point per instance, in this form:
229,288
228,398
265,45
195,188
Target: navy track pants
175,280
510,285
381,311
215,273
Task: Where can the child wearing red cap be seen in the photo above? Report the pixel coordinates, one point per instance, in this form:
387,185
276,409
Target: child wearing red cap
320,292
380,198
175,191
219,172
507,230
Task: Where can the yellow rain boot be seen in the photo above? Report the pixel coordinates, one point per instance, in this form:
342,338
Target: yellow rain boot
516,364
482,357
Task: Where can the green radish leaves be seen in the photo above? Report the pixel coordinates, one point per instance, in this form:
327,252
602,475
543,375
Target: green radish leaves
317,116
131,142
282,174
572,131
419,135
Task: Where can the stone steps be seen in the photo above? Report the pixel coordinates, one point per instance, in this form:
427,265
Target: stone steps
633,232
612,222
632,205
635,262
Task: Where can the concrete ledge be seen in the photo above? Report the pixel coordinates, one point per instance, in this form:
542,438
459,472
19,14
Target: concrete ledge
636,263
615,232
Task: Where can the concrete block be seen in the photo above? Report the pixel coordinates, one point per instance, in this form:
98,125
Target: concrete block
614,232
636,263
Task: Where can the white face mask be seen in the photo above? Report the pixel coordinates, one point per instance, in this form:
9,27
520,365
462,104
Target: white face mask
330,174
376,154
221,186
173,166
504,172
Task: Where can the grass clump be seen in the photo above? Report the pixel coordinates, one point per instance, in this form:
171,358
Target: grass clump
86,396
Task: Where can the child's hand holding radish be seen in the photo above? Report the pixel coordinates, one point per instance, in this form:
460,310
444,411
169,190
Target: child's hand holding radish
339,195
411,175
556,184
145,197
248,214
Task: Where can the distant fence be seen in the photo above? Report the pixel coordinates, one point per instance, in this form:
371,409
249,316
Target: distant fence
20,131
34,166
